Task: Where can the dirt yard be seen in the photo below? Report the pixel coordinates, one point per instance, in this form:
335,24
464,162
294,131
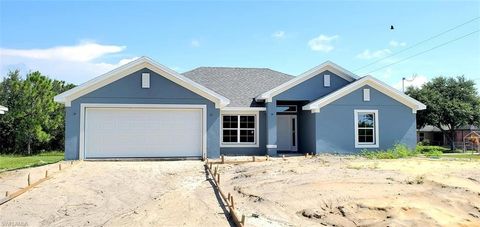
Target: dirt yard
349,191
173,193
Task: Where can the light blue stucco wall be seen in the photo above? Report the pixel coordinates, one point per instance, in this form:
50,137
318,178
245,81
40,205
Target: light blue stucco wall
313,88
335,130
128,91
260,150
306,131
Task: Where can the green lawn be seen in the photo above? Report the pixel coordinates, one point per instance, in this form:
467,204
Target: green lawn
11,162
462,155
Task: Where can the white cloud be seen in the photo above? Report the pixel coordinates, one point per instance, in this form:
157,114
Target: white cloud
394,43
195,43
322,43
74,64
82,52
278,35
367,54
416,81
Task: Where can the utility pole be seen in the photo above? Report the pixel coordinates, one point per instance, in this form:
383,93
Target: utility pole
409,80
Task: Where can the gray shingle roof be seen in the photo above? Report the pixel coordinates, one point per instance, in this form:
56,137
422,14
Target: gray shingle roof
240,85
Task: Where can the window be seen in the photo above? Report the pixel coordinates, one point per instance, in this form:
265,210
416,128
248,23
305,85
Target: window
286,109
366,128
366,95
326,80
145,80
239,129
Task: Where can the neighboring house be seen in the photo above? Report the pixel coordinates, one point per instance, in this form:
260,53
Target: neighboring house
144,109
432,135
3,109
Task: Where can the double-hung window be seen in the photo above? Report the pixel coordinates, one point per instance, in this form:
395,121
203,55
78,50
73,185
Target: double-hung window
366,129
239,129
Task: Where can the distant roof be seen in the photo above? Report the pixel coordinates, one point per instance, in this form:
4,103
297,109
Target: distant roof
431,128
239,85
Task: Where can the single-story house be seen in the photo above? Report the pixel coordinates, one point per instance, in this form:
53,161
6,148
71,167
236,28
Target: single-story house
144,109
3,109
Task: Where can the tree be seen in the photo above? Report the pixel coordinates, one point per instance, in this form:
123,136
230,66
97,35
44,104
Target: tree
451,103
34,121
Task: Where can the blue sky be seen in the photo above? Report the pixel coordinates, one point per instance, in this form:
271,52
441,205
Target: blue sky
78,40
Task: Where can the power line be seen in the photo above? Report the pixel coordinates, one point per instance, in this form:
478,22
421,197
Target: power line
425,51
419,43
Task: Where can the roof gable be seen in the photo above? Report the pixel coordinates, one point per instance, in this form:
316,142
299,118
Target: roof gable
316,105
326,66
129,68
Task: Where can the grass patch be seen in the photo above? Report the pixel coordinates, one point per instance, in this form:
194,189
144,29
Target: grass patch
398,151
463,155
11,162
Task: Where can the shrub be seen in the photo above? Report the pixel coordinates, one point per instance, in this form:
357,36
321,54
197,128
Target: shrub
397,151
429,149
434,153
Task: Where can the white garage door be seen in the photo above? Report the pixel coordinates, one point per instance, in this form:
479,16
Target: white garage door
142,132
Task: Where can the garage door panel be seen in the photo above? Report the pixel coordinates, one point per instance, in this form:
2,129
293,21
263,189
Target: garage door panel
145,132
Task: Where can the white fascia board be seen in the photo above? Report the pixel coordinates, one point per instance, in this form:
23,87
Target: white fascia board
374,83
243,109
328,65
129,68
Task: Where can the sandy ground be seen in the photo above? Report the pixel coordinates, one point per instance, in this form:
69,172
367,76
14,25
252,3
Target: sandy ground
349,191
173,193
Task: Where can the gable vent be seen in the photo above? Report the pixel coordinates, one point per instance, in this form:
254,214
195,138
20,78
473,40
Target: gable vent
145,80
366,95
326,80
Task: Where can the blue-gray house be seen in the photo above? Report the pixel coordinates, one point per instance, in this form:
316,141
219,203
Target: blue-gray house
144,109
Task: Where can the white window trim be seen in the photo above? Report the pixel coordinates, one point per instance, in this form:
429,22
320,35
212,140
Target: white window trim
326,80
376,132
240,113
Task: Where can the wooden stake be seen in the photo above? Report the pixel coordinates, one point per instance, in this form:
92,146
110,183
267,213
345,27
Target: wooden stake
306,155
28,179
7,194
71,163
46,173
223,159
218,179
267,157
283,157
253,158
243,219
231,201
211,165
228,198
215,172
59,166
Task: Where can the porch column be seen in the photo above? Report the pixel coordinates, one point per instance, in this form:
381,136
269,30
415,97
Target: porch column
271,128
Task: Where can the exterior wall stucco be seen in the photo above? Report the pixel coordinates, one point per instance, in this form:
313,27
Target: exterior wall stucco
335,130
313,88
127,90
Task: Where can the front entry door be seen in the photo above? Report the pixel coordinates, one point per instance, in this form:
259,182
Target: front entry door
287,132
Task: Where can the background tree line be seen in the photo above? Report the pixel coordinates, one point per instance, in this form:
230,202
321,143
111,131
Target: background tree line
451,104
34,122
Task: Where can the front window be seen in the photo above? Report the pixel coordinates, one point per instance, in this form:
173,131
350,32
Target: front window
366,127
238,129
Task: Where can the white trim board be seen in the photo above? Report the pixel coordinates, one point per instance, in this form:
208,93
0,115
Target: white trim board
83,107
328,65
415,105
376,132
129,68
